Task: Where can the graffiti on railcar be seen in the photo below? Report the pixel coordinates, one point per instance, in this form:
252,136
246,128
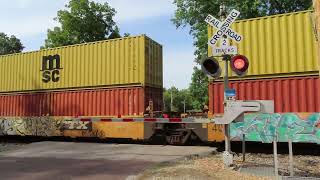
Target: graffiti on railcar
266,127
94,133
8,127
70,124
217,128
40,126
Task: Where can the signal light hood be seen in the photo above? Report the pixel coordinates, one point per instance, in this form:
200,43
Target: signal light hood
211,67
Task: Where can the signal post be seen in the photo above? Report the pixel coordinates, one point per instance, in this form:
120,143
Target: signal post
226,59
233,109
239,63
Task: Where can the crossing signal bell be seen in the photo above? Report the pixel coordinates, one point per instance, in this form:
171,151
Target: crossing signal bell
239,64
211,67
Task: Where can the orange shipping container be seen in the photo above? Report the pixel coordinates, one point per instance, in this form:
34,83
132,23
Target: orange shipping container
129,101
299,94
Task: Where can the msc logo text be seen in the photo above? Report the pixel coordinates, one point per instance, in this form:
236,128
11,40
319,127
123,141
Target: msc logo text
51,68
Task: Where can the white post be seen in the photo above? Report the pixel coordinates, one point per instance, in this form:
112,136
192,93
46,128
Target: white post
275,155
290,157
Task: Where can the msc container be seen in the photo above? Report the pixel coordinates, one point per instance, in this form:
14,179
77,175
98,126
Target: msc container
277,46
129,101
117,62
298,94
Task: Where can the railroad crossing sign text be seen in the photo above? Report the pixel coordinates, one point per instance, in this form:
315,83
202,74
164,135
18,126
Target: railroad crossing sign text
224,28
224,50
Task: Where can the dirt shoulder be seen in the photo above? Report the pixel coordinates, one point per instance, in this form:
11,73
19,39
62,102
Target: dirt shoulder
303,165
197,168
212,167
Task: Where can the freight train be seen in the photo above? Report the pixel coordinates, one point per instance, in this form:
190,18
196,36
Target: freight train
114,88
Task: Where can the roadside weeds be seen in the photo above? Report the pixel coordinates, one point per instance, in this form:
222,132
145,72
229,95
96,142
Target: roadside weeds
205,168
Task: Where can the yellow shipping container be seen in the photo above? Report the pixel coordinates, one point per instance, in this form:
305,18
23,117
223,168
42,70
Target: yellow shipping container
118,62
316,5
279,45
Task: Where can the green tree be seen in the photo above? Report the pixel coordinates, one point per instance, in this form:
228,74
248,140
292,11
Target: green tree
192,13
9,45
83,21
199,89
179,99
126,34
286,6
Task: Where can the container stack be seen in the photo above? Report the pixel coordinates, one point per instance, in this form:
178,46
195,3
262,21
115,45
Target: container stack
112,78
282,51
316,5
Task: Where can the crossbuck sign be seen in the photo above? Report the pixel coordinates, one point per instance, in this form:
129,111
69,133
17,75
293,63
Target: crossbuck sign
223,28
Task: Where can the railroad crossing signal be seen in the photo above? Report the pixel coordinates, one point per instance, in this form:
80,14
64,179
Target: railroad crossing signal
239,65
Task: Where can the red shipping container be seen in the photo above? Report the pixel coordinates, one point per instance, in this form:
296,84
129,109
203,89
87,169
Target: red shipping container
298,94
128,101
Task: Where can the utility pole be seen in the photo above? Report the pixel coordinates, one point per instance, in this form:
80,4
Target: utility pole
171,102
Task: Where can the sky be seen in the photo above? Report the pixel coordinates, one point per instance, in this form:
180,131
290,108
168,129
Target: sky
29,20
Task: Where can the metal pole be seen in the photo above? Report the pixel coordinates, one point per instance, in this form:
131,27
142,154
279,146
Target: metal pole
226,77
226,86
243,147
275,156
228,159
290,157
226,82
164,104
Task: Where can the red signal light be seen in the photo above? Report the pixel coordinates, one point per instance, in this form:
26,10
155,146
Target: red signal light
239,64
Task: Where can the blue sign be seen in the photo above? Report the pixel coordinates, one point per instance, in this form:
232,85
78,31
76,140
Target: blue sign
230,92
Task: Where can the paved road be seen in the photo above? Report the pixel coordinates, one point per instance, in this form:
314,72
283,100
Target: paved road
69,160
